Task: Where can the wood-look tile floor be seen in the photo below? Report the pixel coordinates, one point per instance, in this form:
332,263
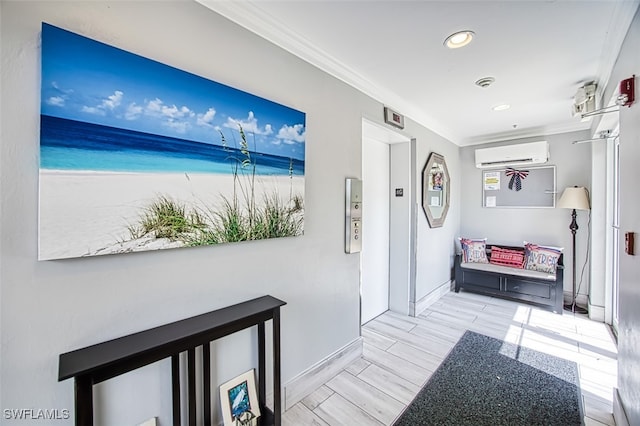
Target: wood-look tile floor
400,354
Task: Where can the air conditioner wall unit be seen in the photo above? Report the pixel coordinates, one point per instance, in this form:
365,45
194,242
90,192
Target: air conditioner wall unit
523,154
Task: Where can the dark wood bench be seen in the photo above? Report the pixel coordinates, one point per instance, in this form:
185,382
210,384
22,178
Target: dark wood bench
510,283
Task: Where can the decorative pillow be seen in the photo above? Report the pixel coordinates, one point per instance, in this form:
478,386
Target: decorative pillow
474,250
541,258
507,257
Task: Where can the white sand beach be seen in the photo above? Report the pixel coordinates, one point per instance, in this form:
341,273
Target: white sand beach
85,213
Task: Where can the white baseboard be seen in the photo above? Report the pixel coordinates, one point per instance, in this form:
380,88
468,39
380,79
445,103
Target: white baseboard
596,313
581,299
619,415
313,377
418,307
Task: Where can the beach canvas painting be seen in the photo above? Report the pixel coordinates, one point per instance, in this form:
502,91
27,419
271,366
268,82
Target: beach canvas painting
136,155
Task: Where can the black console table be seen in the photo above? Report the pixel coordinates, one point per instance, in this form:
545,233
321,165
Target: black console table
97,363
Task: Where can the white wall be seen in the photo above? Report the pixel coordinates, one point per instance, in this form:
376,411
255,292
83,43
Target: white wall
422,259
628,63
435,247
542,225
48,308
52,307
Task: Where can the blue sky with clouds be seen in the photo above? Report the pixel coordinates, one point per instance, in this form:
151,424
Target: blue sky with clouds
86,80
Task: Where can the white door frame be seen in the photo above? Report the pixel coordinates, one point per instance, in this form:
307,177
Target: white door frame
400,208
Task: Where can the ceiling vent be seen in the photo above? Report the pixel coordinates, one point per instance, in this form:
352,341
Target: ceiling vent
485,81
523,154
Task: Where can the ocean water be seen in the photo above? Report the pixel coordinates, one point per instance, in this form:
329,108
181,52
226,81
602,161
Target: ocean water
75,145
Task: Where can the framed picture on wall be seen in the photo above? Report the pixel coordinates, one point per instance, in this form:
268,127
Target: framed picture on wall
137,155
239,400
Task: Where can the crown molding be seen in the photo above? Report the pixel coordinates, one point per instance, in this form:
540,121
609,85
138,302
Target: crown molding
619,26
250,16
532,132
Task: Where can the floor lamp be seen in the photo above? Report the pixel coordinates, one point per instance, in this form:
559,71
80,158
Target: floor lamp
575,198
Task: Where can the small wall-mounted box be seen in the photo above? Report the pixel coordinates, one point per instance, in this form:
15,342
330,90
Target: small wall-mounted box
629,243
627,92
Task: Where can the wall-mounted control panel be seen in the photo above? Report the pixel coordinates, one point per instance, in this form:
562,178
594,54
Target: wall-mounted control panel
353,222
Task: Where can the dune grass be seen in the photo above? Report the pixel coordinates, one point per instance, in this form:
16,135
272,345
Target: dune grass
167,218
239,218
234,222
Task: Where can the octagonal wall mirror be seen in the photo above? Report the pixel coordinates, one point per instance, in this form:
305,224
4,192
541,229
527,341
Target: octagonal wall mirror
435,190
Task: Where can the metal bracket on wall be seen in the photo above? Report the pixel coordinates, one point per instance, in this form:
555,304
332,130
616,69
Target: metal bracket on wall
601,111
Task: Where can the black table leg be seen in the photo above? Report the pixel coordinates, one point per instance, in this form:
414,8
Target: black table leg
84,400
277,409
175,388
262,382
206,382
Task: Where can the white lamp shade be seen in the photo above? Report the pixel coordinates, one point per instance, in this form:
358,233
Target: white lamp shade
575,197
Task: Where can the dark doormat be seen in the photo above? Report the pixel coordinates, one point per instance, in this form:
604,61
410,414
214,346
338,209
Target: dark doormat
485,381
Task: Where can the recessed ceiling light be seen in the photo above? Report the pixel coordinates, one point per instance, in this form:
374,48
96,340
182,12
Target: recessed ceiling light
501,107
459,39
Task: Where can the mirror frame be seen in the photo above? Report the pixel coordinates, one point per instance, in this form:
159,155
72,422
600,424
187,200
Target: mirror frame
435,222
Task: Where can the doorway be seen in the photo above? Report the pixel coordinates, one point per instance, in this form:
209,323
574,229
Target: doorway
615,234
376,196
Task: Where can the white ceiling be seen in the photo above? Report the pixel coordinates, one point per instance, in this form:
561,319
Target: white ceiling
540,53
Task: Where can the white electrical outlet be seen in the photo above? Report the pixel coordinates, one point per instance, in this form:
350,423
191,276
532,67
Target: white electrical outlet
151,422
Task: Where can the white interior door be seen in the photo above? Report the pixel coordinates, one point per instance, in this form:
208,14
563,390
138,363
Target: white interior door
375,228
